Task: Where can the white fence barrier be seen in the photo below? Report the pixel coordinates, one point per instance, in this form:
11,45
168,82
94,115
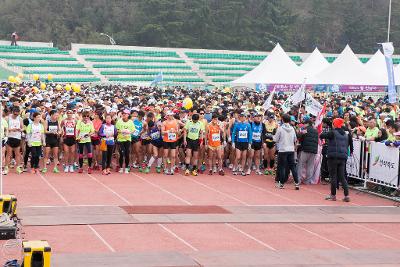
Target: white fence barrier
375,163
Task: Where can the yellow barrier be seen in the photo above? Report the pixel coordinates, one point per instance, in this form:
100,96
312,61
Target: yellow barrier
36,254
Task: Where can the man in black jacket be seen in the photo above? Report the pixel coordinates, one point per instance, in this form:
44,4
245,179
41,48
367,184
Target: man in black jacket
309,149
338,149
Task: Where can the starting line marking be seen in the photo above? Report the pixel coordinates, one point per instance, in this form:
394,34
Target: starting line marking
111,190
163,189
101,239
263,189
54,189
250,236
319,236
216,190
177,237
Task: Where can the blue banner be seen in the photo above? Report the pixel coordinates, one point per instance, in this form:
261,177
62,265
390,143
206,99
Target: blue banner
388,50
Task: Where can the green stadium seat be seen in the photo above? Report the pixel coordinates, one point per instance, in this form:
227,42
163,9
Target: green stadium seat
105,66
59,72
225,74
221,80
206,62
136,60
225,68
76,79
122,52
46,65
9,57
145,73
224,56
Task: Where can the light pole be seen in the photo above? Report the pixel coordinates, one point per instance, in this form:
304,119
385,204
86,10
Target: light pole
112,41
389,17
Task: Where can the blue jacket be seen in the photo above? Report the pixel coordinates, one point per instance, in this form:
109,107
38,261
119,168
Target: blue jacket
242,133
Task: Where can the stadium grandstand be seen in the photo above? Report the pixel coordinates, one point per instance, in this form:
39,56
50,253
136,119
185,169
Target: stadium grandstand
92,63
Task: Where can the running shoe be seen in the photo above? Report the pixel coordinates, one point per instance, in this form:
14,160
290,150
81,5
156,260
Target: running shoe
187,172
280,186
330,198
147,170
25,168
248,172
71,168
258,172
80,170
194,173
166,171
55,170
297,186
221,172
158,169
126,170
203,167
33,171
267,172
44,170
89,170
121,170
104,172
210,172
215,170
66,169
5,170
19,170
346,199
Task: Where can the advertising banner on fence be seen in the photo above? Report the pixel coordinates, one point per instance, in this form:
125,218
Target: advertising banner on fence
384,164
353,166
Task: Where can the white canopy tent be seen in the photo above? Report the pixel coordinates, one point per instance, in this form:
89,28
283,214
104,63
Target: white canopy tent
276,68
314,64
346,70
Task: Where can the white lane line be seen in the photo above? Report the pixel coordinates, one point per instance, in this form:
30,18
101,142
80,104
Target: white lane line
55,190
319,236
110,189
250,236
377,232
101,238
177,237
163,189
263,189
216,190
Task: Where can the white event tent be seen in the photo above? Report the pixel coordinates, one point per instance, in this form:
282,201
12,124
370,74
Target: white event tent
314,64
276,68
347,70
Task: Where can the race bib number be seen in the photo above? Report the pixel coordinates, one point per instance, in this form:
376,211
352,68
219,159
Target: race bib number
243,134
256,136
215,137
193,130
171,136
53,128
155,135
69,131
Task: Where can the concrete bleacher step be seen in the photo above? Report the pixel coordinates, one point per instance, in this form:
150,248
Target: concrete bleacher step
194,67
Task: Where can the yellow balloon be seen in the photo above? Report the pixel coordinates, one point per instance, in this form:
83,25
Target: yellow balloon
58,87
35,89
187,103
76,88
11,79
18,80
49,76
42,86
20,75
36,77
67,87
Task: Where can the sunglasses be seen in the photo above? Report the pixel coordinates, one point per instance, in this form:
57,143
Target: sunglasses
201,113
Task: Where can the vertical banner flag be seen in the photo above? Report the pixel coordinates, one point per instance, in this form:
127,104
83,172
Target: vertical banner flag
268,102
318,121
157,79
388,50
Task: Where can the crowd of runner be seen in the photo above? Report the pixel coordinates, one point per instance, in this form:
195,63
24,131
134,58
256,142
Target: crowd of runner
119,128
